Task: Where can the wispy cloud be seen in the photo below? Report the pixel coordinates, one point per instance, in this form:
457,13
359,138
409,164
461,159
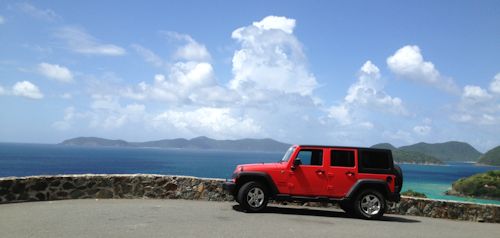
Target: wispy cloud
42,14
148,55
56,72
79,41
2,20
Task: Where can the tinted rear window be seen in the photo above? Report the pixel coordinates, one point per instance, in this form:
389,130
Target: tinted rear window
375,161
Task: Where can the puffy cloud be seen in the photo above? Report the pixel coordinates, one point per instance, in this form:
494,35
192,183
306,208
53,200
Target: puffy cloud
367,92
477,106
190,80
278,23
81,42
148,55
475,93
54,71
408,63
27,89
216,122
495,84
270,58
340,113
42,14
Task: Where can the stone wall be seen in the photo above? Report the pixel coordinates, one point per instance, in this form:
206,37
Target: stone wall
43,188
446,209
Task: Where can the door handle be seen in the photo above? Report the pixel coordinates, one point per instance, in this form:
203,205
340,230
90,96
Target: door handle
349,173
320,172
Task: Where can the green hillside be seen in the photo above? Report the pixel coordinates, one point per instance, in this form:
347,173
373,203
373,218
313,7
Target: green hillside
401,156
492,157
386,146
447,151
484,185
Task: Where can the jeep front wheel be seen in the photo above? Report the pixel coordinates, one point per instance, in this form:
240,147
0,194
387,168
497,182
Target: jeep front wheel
253,197
370,204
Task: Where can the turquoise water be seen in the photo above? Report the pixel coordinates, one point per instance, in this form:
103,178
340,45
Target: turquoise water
434,180
40,159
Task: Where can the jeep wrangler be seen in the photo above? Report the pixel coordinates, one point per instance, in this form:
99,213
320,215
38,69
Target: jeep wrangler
360,180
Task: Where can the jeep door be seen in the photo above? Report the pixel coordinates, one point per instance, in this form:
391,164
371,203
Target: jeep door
342,171
308,178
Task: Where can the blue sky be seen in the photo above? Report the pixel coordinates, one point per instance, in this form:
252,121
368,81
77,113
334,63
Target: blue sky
329,72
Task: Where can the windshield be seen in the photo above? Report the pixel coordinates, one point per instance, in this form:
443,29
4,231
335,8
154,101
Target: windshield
288,154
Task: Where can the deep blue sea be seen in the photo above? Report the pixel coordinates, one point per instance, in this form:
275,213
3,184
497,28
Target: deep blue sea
41,159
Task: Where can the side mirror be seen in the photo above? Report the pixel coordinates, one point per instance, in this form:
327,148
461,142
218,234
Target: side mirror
296,163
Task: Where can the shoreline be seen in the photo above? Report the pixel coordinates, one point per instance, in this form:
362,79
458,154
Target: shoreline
458,194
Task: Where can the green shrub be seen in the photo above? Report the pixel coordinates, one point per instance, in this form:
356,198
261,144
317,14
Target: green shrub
480,185
411,193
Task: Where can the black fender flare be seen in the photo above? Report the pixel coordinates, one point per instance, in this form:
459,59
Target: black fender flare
252,176
360,184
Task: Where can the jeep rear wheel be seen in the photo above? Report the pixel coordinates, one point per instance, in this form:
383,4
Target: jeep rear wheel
253,197
370,204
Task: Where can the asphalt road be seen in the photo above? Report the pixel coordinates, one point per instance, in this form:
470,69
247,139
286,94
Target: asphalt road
181,218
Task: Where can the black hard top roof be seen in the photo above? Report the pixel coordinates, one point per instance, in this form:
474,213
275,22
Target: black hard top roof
343,147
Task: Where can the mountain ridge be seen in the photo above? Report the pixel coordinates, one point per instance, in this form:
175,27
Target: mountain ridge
446,151
402,156
491,157
201,142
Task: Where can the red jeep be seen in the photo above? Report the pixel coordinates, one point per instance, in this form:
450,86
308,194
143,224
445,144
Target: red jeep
360,180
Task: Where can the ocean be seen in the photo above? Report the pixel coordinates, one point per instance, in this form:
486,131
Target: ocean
43,159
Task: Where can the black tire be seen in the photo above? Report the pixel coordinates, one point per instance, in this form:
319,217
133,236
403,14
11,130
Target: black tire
370,204
253,197
399,178
347,207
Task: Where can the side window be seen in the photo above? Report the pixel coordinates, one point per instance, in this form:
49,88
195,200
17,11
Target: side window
311,157
342,158
375,160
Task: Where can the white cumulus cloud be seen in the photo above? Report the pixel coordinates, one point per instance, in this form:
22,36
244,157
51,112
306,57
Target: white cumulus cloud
478,106
366,94
475,93
27,89
55,71
79,41
495,84
270,58
217,122
278,23
408,63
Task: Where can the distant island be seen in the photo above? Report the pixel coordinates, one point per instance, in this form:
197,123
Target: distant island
419,153
483,185
447,151
202,142
492,157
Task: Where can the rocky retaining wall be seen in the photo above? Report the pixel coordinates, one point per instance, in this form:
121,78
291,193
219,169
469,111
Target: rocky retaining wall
43,188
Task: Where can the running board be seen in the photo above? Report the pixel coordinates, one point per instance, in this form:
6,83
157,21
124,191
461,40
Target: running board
286,197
